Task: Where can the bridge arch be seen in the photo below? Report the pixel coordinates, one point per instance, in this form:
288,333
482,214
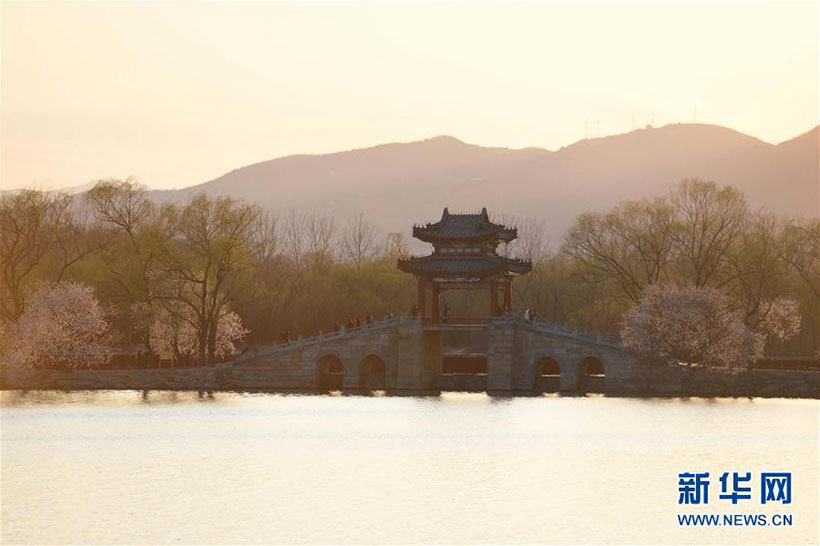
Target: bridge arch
372,372
546,370
329,372
591,374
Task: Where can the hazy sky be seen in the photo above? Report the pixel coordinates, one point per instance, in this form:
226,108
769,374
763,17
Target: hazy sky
179,93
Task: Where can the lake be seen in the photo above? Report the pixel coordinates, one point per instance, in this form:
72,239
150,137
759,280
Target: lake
177,467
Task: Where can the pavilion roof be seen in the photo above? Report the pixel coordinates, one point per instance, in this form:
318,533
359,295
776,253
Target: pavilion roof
463,227
465,264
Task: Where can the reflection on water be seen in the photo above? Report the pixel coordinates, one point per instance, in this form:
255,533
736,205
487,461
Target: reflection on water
165,467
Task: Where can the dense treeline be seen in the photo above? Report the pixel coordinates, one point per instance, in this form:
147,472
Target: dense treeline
698,235
190,278
194,277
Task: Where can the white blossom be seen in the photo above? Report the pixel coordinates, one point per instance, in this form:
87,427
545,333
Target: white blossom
690,324
63,327
172,330
229,331
780,319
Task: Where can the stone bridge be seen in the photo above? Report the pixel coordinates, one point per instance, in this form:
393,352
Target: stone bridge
503,355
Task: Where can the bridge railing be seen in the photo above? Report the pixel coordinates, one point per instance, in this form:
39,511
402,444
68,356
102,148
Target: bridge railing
345,333
323,337
561,330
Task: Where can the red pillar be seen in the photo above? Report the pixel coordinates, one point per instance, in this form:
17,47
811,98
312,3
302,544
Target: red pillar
436,315
493,297
421,299
508,296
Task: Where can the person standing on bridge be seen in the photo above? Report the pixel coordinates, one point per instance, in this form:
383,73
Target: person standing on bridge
527,314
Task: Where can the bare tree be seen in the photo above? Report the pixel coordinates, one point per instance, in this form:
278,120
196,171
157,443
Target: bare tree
710,221
27,220
294,234
395,246
359,240
755,268
631,244
132,256
800,248
211,248
268,237
321,233
121,203
531,244
321,241
75,236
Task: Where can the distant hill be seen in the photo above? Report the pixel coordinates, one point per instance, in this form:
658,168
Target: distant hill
70,190
398,184
82,188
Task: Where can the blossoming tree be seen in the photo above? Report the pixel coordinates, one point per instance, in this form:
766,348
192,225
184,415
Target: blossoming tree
701,325
175,331
62,327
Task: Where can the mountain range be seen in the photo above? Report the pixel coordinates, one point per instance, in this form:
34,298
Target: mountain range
399,184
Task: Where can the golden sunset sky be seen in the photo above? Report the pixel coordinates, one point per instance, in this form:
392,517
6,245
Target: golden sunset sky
179,93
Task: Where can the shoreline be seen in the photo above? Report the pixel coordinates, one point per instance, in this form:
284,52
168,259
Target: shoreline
649,382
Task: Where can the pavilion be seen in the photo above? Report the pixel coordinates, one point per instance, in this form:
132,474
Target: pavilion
465,256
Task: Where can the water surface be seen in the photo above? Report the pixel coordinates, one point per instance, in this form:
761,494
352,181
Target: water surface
165,467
